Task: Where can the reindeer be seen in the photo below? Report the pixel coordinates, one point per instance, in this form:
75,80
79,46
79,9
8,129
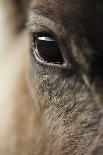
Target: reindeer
51,77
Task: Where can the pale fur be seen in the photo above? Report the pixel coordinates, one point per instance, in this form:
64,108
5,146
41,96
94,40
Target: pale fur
13,55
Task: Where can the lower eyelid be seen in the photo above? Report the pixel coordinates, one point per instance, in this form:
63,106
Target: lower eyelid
44,63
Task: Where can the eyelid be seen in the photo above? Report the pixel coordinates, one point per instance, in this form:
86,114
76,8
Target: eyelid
40,20
44,63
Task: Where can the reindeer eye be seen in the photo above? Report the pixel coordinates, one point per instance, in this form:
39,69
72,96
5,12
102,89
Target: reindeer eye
46,49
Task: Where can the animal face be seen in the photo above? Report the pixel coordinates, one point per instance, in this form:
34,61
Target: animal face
51,77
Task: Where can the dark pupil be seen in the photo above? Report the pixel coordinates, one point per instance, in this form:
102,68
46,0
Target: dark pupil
48,49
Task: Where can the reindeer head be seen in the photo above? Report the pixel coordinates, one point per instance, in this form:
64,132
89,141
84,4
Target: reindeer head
51,77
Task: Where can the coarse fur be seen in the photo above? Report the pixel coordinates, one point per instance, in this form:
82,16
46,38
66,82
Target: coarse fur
49,110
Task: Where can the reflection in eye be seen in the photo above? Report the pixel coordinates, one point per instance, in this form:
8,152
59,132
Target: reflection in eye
46,48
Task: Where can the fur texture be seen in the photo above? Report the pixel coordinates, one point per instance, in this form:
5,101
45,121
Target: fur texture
46,110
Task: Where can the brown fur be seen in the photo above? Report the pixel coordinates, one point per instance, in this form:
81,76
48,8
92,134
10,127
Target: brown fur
46,110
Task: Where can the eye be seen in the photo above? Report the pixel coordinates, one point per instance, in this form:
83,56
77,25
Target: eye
46,49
